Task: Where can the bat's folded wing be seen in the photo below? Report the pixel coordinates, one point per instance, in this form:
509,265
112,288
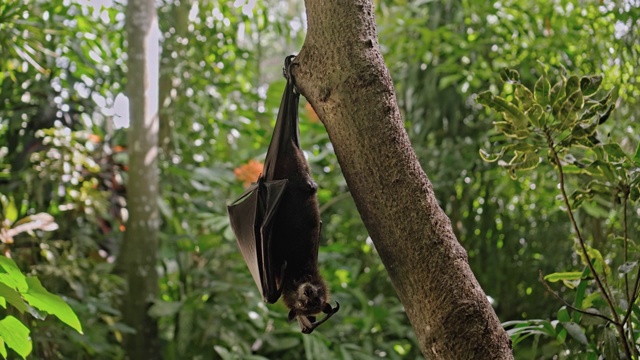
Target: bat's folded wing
252,216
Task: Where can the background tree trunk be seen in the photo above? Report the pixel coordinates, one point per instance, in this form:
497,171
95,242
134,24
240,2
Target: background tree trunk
138,255
344,77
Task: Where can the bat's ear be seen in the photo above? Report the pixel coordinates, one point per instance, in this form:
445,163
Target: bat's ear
292,315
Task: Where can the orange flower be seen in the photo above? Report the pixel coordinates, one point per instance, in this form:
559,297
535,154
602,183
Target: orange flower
95,138
313,117
249,172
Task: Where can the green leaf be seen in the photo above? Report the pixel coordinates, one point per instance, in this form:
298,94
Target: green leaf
542,90
636,156
556,93
573,85
509,75
611,344
535,115
3,349
606,115
525,96
590,84
576,332
16,336
38,297
615,152
12,297
562,276
448,80
510,112
11,276
10,210
490,157
568,112
563,314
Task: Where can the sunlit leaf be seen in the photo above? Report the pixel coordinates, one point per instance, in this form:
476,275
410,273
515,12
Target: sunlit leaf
535,115
11,276
568,111
590,84
38,297
12,297
542,91
510,112
509,75
560,276
15,335
525,96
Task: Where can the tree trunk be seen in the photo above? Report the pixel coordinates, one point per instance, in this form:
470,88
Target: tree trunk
138,255
342,74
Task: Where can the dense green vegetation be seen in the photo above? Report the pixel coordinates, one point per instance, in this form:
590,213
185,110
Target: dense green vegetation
63,153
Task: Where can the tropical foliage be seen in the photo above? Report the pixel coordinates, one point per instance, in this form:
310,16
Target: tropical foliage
63,160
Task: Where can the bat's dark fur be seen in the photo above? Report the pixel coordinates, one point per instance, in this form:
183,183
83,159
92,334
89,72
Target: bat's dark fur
289,266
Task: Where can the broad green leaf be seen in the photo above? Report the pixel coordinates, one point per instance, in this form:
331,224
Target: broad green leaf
16,336
525,96
580,132
11,276
561,276
448,80
568,111
525,161
38,297
611,344
510,112
563,314
606,115
3,349
596,258
593,110
542,91
535,115
576,332
10,210
573,85
615,152
636,156
557,93
12,297
509,75
590,84
223,352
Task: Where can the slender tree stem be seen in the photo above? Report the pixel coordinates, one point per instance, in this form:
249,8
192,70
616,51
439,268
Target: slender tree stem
631,296
619,325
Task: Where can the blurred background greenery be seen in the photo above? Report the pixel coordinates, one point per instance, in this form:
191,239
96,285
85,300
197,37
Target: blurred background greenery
63,116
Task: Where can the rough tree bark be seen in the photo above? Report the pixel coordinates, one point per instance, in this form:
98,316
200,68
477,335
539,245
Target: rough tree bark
342,74
138,254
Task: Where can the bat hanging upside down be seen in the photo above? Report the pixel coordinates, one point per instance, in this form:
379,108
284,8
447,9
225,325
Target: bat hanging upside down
277,222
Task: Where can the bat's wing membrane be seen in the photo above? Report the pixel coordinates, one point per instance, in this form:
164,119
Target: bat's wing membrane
251,216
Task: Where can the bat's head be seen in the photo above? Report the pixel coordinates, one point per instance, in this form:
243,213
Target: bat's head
308,299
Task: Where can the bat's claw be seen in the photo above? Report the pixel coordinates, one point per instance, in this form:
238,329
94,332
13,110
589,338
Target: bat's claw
308,328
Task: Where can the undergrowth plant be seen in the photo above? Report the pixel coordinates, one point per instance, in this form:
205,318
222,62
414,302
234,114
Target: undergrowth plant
558,123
